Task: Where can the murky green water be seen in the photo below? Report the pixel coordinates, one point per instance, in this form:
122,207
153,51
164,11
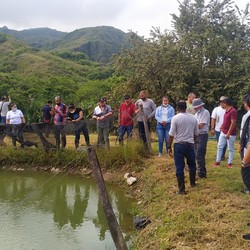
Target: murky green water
42,211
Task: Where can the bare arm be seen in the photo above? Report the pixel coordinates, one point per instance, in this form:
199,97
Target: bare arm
232,126
212,126
246,159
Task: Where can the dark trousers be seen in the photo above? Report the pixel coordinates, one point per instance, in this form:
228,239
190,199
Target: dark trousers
123,130
17,134
103,136
85,132
245,172
142,132
182,151
200,153
60,135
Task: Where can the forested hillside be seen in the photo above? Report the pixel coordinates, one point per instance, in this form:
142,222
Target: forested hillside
37,38
32,76
98,43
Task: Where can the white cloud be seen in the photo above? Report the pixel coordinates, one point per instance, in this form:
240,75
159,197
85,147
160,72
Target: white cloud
68,15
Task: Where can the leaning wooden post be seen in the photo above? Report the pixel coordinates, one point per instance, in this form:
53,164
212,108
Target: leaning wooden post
144,119
109,213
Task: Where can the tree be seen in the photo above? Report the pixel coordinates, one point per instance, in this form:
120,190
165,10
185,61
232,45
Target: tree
207,52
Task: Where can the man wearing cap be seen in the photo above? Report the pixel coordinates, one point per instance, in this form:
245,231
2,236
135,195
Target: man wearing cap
125,118
203,117
228,133
148,107
102,113
217,118
183,130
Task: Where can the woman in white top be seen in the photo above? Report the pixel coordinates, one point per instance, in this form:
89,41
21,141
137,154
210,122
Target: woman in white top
15,117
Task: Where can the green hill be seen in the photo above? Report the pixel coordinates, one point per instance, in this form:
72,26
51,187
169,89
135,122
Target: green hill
37,38
97,43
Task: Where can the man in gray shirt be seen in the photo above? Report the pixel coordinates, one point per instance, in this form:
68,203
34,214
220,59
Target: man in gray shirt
184,128
203,117
148,106
102,114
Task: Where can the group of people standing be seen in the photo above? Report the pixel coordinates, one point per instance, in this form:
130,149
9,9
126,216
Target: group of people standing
188,129
62,115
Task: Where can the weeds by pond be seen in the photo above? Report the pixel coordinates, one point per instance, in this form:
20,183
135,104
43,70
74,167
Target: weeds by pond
130,154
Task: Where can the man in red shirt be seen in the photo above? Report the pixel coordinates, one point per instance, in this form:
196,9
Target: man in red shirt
228,132
125,118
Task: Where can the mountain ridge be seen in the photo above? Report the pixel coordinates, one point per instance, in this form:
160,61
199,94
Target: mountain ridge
98,43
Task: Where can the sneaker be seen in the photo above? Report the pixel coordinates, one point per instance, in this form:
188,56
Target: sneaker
159,155
229,165
216,164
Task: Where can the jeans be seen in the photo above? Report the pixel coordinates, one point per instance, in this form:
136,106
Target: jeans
85,132
142,132
3,119
200,153
230,145
182,151
162,132
60,132
103,136
123,130
217,133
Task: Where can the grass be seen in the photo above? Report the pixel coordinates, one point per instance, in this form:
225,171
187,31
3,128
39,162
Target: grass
213,215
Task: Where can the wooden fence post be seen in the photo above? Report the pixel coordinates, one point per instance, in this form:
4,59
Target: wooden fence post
115,230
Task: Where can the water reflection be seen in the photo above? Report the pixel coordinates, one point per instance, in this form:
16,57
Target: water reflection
63,212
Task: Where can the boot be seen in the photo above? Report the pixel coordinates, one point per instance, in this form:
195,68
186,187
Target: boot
76,145
181,184
192,178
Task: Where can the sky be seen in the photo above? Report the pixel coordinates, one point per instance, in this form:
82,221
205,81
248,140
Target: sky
68,15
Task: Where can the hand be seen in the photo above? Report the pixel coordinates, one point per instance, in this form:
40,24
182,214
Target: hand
212,131
239,149
170,152
227,136
164,123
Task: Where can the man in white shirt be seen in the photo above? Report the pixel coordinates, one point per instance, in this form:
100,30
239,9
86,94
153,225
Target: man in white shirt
217,118
4,108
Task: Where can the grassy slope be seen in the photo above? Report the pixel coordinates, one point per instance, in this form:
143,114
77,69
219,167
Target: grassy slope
213,215
29,62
